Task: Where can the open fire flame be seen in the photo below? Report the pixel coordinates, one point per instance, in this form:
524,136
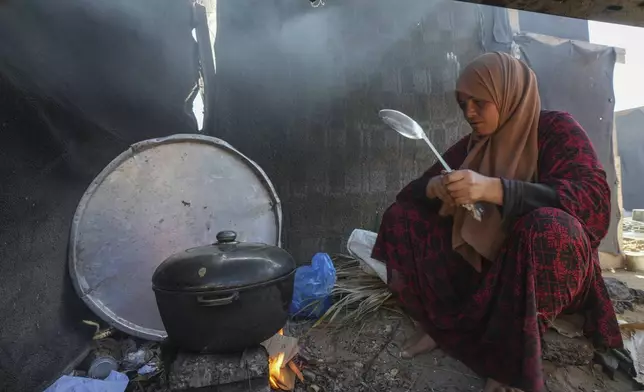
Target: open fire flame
275,368
282,370
275,371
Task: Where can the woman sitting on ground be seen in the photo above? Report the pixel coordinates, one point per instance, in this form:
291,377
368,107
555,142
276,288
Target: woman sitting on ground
484,291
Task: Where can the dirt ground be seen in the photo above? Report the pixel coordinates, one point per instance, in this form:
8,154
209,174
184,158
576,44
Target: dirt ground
364,358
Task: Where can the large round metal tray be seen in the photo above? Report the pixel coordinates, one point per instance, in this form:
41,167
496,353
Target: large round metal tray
160,197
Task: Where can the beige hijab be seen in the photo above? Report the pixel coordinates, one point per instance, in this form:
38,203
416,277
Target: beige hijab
510,152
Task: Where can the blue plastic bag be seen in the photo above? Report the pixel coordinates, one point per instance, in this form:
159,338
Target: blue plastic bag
312,287
115,382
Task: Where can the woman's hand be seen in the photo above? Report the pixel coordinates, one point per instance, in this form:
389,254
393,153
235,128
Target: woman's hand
468,187
437,190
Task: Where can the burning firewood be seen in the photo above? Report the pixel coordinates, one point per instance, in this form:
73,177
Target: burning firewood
281,377
282,372
296,371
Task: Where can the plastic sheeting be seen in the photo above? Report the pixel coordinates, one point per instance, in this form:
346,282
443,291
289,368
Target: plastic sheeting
577,78
630,143
81,80
115,382
360,246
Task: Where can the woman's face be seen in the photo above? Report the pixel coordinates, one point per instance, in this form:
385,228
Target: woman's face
483,116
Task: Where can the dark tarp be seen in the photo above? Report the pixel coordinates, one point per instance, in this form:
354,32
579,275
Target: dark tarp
629,125
80,80
555,26
573,77
578,78
496,31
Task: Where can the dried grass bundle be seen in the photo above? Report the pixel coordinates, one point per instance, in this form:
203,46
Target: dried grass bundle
356,294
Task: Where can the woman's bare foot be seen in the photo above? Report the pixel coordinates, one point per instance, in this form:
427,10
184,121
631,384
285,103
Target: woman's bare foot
420,344
495,386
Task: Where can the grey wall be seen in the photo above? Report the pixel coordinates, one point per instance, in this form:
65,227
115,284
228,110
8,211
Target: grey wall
79,81
299,88
299,91
629,125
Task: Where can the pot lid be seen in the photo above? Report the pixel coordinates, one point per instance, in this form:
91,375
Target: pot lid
223,266
156,199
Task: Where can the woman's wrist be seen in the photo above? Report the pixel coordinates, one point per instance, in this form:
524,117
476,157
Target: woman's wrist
493,191
429,191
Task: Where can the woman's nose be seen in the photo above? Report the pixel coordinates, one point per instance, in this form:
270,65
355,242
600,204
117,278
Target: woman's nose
470,111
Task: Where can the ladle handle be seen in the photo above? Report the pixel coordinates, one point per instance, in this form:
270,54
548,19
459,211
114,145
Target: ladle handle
437,154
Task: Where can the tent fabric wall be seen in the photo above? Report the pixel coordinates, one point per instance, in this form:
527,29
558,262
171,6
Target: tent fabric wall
555,26
80,80
629,125
578,78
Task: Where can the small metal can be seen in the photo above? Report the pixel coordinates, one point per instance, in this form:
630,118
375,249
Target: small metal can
102,366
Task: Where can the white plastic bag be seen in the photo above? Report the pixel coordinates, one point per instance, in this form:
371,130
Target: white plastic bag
360,245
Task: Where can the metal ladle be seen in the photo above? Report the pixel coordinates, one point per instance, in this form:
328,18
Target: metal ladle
406,126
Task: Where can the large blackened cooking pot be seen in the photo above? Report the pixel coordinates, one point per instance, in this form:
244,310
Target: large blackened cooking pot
224,297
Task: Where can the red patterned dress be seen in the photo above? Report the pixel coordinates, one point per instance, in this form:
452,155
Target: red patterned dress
493,321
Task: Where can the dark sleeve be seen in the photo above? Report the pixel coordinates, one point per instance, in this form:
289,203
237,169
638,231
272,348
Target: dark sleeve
419,191
521,197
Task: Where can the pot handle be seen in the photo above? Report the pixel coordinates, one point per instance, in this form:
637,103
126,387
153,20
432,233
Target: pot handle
204,301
